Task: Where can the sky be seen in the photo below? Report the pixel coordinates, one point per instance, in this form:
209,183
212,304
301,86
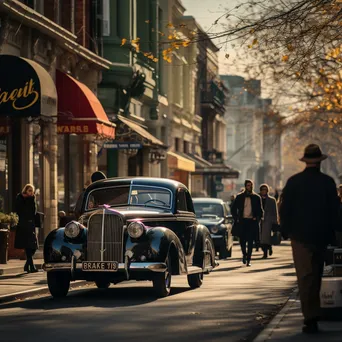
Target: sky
206,12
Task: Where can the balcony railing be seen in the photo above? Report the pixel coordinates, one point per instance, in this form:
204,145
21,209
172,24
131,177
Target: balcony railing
212,94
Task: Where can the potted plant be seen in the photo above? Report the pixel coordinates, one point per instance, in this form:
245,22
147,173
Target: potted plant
8,220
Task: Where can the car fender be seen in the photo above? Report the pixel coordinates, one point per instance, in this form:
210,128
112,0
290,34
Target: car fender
203,233
163,241
58,248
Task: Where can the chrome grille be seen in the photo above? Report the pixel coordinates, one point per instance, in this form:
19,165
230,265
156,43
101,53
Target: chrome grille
112,238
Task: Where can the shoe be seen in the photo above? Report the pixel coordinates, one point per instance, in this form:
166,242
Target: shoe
244,260
271,251
26,268
311,328
34,270
248,264
265,256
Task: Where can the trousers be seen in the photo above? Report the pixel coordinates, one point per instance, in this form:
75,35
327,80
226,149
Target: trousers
29,257
309,263
247,237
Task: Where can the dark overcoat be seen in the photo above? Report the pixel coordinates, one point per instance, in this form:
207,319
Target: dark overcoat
270,219
309,208
237,213
25,236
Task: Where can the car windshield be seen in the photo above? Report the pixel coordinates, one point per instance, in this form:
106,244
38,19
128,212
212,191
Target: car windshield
136,195
208,210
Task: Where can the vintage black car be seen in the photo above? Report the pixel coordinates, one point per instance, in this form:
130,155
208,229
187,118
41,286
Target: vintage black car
130,229
215,215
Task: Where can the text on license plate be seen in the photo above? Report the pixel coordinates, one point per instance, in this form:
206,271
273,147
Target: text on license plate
100,266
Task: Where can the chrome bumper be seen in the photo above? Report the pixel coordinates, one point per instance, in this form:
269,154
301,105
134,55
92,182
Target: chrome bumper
134,266
216,236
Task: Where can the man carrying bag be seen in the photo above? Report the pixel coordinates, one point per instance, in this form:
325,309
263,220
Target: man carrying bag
309,215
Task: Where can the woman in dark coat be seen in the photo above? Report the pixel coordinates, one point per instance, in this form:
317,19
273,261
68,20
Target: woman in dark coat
25,238
269,204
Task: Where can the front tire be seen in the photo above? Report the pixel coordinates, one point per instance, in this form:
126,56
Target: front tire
195,280
59,283
102,284
162,281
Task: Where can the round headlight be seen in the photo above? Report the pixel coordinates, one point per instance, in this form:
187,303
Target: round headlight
135,229
214,229
72,229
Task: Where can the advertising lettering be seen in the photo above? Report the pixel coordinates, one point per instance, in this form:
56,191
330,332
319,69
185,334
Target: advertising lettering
28,91
73,129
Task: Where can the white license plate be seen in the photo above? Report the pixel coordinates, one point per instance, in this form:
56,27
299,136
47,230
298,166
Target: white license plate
106,266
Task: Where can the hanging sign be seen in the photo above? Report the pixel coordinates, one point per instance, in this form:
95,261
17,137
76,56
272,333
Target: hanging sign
119,145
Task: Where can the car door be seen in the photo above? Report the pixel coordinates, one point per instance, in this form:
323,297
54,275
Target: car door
186,227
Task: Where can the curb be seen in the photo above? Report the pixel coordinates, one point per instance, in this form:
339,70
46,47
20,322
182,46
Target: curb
274,324
16,270
36,292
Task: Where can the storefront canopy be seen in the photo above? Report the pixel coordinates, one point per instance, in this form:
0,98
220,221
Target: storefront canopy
178,162
129,130
79,110
221,170
26,88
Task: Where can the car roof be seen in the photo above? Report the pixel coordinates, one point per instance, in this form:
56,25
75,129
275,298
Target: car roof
207,200
147,181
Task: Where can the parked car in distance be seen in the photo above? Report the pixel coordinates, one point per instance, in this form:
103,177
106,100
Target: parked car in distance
214,213
130,229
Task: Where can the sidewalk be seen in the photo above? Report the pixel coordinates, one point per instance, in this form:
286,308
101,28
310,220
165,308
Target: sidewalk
287,326
15,284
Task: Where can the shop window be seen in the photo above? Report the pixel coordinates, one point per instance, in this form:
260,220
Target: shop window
4,195
37,164
177,144
61,174
29,3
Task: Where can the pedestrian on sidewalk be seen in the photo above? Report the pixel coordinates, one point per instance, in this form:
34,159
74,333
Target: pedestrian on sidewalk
25,237
269,205
96,176
247,213
309,215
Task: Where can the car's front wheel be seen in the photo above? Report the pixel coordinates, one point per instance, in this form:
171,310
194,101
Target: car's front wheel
162,281
102,284
195,280
59,283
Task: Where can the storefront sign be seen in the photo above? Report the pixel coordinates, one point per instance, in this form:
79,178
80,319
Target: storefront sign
116,145
4,129
219,187
61,129
20,92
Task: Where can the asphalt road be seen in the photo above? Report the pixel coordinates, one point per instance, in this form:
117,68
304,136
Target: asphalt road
233,304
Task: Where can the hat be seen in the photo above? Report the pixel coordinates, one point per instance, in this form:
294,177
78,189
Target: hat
97,175
313,154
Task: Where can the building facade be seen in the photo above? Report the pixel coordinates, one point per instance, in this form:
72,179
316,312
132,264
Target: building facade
131,91
49,74
253,138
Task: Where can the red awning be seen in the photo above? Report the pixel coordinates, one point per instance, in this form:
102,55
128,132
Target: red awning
79,110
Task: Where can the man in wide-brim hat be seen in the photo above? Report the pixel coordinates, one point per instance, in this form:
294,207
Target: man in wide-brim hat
309,216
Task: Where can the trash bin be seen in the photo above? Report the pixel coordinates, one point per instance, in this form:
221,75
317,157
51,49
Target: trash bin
4,237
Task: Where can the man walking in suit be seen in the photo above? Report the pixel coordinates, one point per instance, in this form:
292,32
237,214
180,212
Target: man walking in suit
308,215
247,213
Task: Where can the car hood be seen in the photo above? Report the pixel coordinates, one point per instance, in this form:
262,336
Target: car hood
210,222
133,211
